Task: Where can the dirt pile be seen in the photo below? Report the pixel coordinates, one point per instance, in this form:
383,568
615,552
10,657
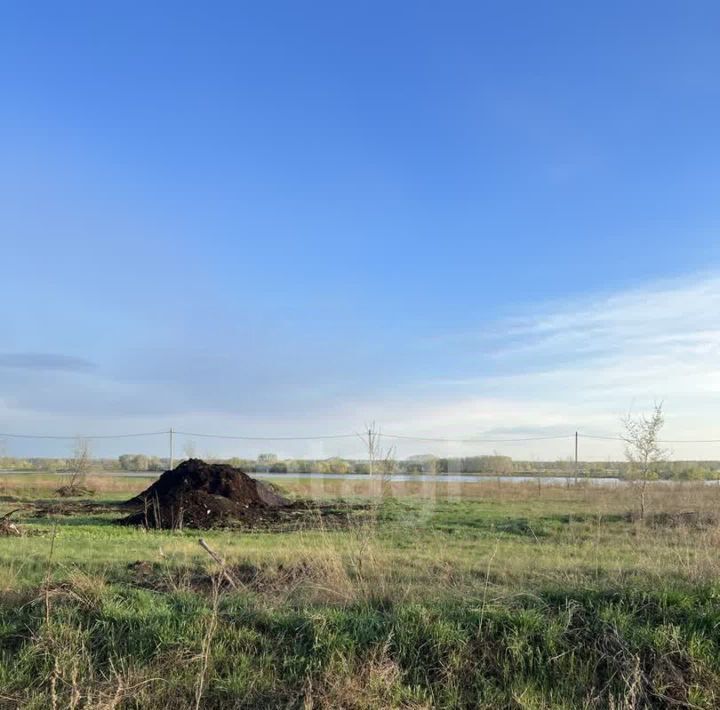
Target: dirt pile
202,495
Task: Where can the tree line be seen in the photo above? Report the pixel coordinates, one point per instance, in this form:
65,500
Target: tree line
494,464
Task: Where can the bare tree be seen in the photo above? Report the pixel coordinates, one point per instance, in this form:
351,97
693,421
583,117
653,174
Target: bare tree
78,467
642,449
381,461
362,529
190,450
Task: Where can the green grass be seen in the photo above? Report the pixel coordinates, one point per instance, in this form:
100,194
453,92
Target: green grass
497,597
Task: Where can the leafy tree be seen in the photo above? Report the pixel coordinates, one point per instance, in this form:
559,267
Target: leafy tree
337,465
266,460
642,449
134,462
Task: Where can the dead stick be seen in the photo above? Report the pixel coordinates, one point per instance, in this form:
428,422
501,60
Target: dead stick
219,560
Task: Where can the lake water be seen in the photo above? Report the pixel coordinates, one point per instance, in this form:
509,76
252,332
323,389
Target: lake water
448,478
419,478
404,478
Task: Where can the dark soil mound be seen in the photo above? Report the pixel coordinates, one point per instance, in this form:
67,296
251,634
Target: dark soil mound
201,495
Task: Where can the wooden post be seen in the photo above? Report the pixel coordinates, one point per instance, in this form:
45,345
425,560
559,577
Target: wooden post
576,458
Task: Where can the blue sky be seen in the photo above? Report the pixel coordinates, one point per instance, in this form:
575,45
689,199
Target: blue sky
271,218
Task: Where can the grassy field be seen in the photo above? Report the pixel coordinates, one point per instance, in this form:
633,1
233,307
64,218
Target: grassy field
482,595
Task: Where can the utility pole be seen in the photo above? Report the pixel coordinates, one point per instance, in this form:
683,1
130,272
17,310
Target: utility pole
576,458
172,448
371,451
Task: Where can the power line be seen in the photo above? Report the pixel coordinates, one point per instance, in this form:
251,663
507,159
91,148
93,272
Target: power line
659,441
404,437
265,438
73,438
688,441
603,438
474,440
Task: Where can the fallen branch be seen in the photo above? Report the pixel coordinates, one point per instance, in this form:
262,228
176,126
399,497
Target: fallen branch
220,561
7,527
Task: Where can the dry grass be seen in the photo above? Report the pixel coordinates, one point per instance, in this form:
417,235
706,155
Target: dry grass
482,595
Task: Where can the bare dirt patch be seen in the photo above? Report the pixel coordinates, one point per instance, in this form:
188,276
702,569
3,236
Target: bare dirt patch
690,519
68,508
685,518
266,578
74,491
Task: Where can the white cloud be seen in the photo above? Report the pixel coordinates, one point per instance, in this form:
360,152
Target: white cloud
583,364
579,365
